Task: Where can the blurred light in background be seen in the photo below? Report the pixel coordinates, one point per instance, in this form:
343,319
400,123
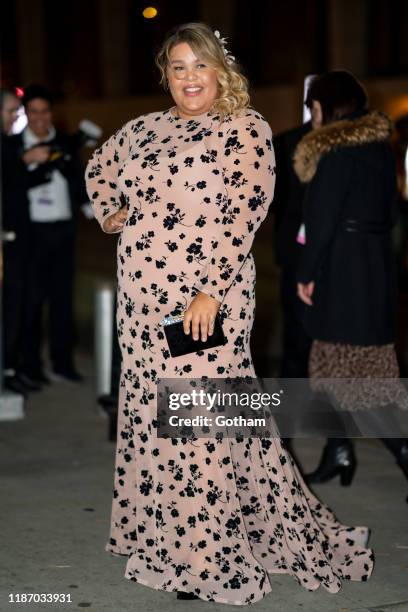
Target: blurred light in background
149,12
395,106
405,186
20,122
306,112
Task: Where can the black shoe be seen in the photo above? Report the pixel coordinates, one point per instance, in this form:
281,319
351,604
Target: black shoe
44,379
402,459
399,448
34,380
183,595
31,384
69,375
336,460
12,383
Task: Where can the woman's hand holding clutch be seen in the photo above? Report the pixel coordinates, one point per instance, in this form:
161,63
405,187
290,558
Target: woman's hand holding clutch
200,316
115,222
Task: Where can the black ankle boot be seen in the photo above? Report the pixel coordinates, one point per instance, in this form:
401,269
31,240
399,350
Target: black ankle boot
402,458
336,460
183,595
403,461
399,448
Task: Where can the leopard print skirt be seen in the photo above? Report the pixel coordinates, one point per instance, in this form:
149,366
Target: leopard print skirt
335,360
348,373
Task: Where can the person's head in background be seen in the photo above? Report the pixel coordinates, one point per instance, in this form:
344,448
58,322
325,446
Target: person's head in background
333,95
37,102
9,105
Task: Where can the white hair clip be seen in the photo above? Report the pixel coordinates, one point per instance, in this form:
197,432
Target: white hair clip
230,59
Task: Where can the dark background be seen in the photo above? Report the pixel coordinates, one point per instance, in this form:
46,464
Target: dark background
97,56
72,45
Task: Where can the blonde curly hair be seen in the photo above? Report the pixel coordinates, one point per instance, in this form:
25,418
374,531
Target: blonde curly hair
233,86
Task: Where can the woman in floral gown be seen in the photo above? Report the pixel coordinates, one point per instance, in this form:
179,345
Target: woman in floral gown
204,517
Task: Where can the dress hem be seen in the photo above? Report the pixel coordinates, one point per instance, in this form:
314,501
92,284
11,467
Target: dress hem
268,573
235,602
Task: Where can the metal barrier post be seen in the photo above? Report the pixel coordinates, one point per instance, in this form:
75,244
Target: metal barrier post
104,305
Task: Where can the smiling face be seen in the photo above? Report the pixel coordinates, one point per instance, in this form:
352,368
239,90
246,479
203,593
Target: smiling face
39,116
193,82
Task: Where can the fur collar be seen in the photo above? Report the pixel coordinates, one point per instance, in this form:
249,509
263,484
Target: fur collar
371,127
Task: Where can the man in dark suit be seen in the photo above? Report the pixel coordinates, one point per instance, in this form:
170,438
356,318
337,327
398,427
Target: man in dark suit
52,205
15,224
289,193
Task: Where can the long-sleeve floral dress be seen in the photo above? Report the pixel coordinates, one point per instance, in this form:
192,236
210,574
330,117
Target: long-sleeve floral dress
208,516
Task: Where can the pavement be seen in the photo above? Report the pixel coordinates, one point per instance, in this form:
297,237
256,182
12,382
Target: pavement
56,471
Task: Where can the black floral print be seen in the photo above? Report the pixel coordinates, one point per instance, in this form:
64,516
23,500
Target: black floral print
210,516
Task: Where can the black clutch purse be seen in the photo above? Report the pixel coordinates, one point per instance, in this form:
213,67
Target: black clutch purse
182,344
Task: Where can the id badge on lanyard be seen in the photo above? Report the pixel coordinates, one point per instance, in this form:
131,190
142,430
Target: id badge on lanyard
45,197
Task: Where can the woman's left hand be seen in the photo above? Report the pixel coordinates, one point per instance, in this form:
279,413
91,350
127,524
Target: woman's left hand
200,315
305,292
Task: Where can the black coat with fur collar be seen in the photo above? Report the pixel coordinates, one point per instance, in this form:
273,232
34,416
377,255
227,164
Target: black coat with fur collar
349,210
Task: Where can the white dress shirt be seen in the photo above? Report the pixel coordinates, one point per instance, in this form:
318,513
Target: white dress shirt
49,201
